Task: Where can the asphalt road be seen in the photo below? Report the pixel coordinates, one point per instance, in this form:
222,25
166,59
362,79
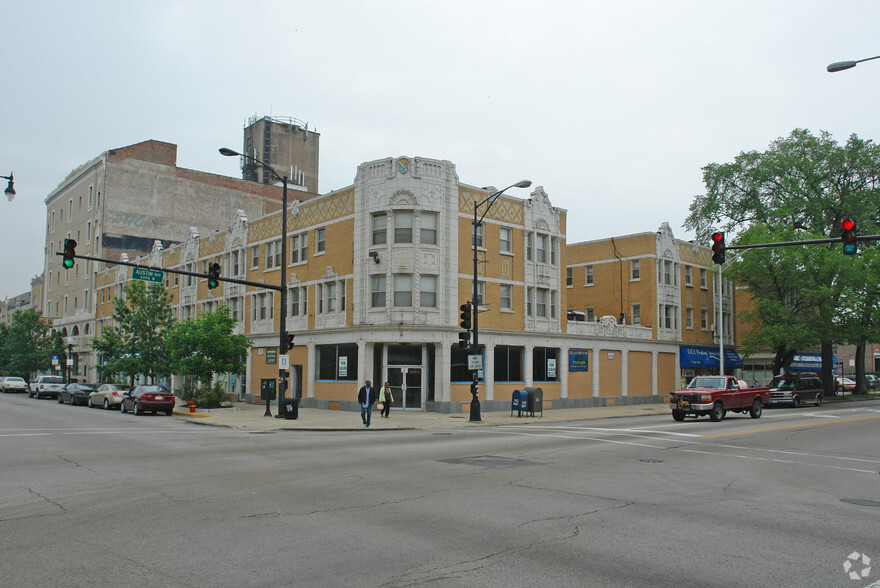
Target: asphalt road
91,498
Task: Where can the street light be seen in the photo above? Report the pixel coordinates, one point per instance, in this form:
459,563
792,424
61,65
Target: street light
849,64
10,189
491,199
282,323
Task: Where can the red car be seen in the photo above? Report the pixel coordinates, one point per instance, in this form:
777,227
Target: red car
148,399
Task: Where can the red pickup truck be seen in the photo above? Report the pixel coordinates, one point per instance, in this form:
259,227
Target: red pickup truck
715,395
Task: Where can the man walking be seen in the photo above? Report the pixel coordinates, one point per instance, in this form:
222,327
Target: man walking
366,398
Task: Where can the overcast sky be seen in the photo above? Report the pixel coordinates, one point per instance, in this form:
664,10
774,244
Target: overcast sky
613,107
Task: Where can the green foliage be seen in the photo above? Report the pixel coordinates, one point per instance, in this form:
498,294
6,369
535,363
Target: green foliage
207,346
135,344
27,345
205,396
801,188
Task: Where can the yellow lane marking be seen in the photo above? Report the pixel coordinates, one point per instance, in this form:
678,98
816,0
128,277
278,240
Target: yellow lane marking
783,427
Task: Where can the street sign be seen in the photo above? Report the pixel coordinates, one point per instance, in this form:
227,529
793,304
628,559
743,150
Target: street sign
284,362
475,362
147,275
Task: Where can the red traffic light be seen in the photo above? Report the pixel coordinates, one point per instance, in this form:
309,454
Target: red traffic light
717,237
847,224
848,236
718,248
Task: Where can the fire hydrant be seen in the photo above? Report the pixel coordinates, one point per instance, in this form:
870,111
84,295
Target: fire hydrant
191,405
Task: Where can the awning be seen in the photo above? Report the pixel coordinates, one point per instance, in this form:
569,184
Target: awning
707,357
808,361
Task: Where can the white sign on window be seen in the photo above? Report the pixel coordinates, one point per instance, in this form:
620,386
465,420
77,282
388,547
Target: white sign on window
551,368
343,367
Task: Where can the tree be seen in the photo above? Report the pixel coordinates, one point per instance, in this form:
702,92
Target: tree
208,345
135,343
27,345
802,187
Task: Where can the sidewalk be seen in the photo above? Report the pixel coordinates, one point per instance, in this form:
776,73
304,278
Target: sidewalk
250,417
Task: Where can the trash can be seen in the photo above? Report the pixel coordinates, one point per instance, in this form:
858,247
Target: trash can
291,408
519,402
535,401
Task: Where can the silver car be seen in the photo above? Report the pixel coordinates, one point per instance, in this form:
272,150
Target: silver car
108,396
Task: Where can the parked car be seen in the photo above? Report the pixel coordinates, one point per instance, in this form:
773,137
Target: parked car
795,389
872,381
108,396
148,398
843,383
13,384
46,386
75,393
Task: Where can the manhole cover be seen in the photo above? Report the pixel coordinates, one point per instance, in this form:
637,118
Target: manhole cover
860,502
491,461
651,460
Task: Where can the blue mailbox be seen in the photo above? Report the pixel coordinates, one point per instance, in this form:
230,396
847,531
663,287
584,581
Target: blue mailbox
519,403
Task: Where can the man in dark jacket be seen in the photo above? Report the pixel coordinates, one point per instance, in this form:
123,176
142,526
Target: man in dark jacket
366,398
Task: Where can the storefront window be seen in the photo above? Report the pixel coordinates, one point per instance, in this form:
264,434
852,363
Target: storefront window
545,364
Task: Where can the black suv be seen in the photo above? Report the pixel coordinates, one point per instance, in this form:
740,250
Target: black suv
796,388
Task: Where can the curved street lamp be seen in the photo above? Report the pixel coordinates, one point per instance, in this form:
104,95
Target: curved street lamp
849,64
491,199
282,321
10,189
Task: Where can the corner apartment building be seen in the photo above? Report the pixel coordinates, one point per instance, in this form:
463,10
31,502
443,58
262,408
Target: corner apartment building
116,206
377,272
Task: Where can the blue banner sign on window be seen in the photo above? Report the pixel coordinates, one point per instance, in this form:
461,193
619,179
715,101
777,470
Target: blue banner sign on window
578,360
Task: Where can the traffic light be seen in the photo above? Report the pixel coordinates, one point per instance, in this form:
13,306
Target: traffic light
213,275
289,341
466,316
718,248
848,236
69,253
464,340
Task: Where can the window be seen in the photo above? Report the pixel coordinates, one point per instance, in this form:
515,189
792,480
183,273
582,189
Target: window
377,295
478,236
541,302
299,248
255,256
590,313
636,313
506,240
263,306
403,226
235,308
545,364
331,296
481,293
552,250
298,301
508,363
689,318
588,275
635,270
380,229
506,297
569,277
428,234
688,280
319,241
704,319
702,277
273,254
667,273
530,295
235,262
403,291
542,249
530,246
337,362
428,292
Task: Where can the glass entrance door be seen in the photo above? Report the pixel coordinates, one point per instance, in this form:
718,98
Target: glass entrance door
406,387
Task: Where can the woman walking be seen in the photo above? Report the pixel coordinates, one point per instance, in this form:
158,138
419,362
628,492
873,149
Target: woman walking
386,398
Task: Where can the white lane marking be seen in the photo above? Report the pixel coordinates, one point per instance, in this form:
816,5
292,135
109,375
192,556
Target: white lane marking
788,461
821,416
578,438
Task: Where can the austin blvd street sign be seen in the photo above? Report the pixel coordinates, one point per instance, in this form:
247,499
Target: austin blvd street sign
147,275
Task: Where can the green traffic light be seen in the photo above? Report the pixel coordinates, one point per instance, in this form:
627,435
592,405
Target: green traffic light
67,263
